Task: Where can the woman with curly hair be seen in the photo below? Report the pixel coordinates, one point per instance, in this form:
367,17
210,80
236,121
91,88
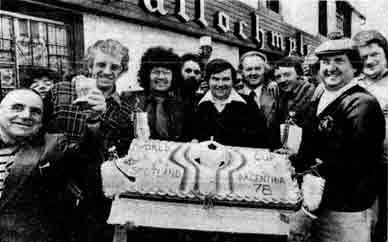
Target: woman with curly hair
158,75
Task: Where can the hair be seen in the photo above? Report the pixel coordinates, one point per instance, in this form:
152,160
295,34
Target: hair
32,73
355,60
158,57
219,65
191,57
291,61
111,47
376,37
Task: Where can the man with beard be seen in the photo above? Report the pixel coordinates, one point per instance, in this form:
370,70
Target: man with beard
373,48
255,71
191,74
295,91
103,110
340,152
224,115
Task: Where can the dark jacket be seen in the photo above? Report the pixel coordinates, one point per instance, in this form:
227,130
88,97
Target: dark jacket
298,101
269,112
173,106
31,208
348,137
236,125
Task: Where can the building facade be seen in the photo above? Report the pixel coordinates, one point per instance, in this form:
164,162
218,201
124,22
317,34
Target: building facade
53,34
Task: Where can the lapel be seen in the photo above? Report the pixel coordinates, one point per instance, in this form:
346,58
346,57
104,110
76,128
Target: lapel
334,104
25,161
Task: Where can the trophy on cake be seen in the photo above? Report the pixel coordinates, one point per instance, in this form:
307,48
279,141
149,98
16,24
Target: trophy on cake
212,157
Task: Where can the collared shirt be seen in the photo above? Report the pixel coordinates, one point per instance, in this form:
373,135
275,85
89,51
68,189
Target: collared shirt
258,90
220,104
330,96
61,115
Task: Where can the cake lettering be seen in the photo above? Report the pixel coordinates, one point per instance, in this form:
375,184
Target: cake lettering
231,173
265,189
157,171
155,147
260,178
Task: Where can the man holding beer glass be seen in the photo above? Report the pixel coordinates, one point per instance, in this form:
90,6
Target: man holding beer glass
91,103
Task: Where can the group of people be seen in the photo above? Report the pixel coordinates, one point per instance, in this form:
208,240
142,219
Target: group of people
52,145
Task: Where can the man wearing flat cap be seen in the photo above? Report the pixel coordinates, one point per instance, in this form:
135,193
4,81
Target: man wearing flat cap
340,151
373,48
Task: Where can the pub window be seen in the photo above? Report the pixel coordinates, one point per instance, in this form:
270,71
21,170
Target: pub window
343,18
273,5
322,17
340,20
29,42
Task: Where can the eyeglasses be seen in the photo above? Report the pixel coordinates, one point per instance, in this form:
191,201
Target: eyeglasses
158,71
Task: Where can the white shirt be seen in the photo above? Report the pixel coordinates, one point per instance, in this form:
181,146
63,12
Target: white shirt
220,104
329,96
258,90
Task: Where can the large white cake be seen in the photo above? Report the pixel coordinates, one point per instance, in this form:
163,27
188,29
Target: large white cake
196,172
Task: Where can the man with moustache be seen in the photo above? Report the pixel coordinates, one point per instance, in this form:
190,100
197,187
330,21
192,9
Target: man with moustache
373,48
159,75
342,146
224,115
295,91
255,72
191,78
108,115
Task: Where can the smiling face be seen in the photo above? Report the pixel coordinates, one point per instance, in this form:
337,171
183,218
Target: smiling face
336,71
286,78
374,59
106,69
221,84
22,112
253,68
160,79
42,85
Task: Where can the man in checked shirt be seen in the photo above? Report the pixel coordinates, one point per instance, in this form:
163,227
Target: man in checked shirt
103,110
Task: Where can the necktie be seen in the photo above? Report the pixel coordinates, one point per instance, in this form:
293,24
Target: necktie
252,95
161,118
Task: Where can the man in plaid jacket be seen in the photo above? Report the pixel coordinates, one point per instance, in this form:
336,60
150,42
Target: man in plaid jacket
107,114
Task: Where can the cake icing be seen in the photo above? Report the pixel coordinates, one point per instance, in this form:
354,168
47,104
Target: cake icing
195,171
